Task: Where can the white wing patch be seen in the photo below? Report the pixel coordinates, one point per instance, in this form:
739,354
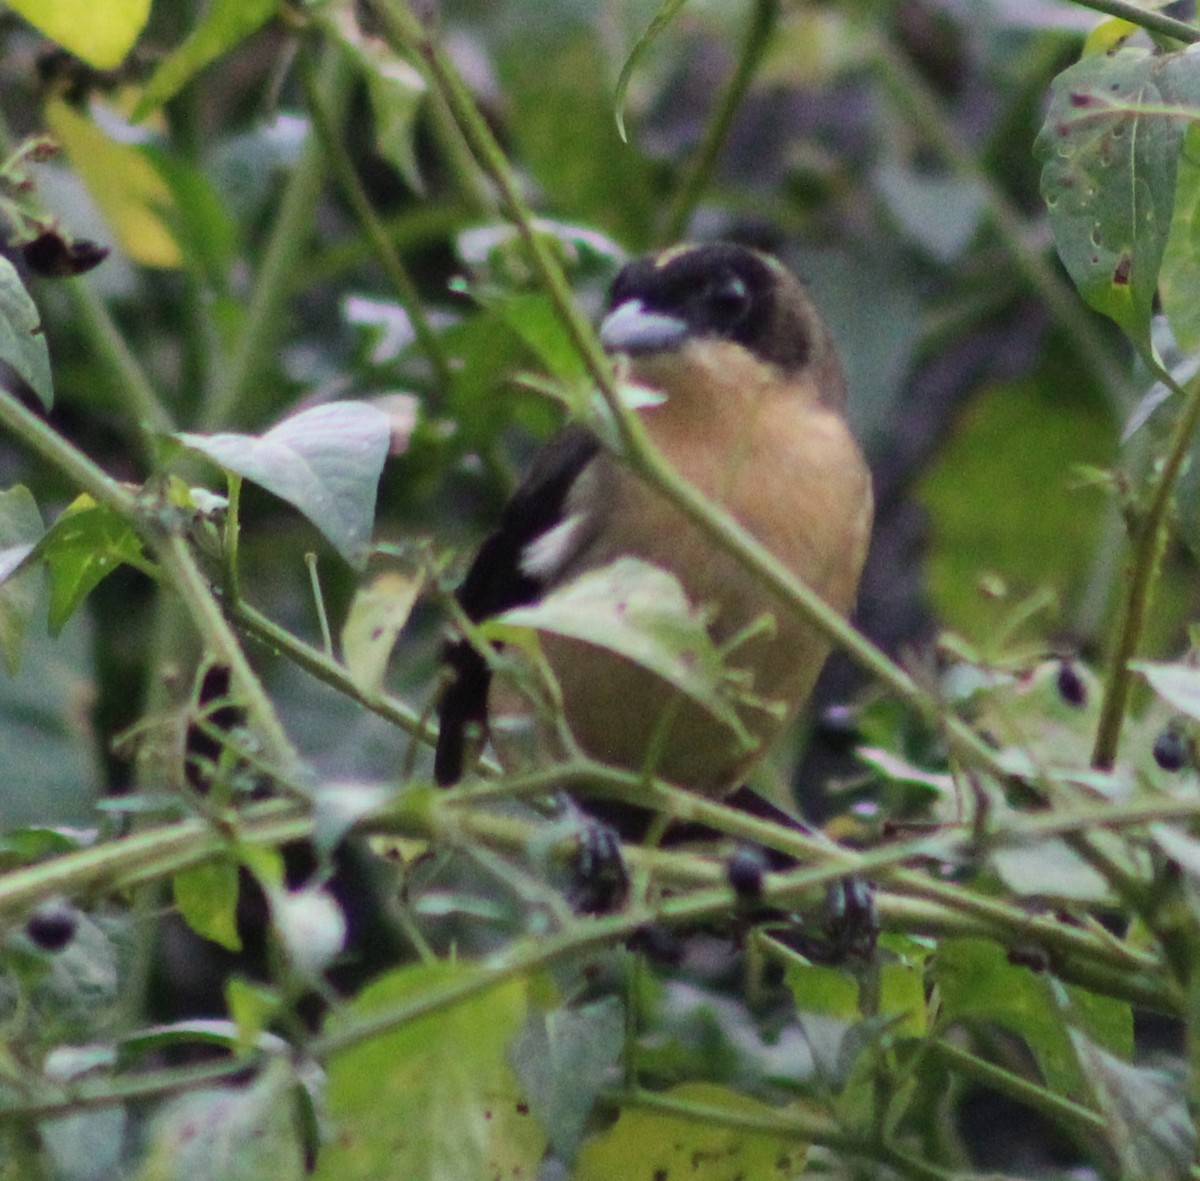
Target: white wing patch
547,554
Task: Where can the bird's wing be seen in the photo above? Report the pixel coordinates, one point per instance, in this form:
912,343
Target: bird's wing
539,532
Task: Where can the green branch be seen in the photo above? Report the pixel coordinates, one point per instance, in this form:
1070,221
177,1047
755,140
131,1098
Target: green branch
1152,22
1148,542
176,563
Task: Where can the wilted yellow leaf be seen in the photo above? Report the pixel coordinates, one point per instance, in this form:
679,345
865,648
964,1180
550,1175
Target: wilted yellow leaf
131,193
101,32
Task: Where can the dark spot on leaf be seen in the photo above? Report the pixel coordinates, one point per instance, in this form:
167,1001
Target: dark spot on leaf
1121,271
522,1108
1080,99
487,1115
660,1175
376,632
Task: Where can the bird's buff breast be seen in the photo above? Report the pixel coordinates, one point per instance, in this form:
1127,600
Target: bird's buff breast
817,526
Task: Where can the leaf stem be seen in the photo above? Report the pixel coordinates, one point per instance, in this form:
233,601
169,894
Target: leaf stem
1152,22
385,253
176,562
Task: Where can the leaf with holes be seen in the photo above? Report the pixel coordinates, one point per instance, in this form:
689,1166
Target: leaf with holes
325,461
1110,147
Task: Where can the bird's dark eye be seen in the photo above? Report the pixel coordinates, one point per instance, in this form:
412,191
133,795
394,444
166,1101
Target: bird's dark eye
728,301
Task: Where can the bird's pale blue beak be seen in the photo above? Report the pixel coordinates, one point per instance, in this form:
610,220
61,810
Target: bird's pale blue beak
631,328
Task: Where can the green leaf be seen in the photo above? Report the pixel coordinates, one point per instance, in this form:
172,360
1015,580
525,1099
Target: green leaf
122,178
82,548
1180,277
978,984
47,745
1110,154
197,217
22,343
229,1133
378,613
396,92
1176,684
325,461
999,501
642,613
224,24
99,33
1146,1118
1050,869
433,1097
563,1058
670,1146
20,529
663,17
207,896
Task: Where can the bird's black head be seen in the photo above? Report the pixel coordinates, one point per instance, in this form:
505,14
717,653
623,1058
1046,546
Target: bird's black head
715,291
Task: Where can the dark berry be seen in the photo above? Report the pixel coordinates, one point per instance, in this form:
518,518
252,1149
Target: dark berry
1170,750
52,926
1070,685
53,256
744,871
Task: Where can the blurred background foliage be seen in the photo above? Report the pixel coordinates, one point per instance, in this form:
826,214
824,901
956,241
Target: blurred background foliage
884,150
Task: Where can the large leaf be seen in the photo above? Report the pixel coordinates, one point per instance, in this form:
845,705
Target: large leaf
1180,277
131,193
646,1144
641,612
22,344
563,1058
1110,152
433,1098
978,983
396,91
224,24
50,756
20,528
228,1134
82,548
1147,1121
325,461
100,33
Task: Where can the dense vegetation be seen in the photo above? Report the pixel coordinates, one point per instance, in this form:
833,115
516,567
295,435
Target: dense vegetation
289,292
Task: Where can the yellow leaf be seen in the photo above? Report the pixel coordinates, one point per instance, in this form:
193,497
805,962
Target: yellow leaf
126,186
101,32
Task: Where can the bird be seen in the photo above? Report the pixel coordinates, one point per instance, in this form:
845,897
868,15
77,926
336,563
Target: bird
748,404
